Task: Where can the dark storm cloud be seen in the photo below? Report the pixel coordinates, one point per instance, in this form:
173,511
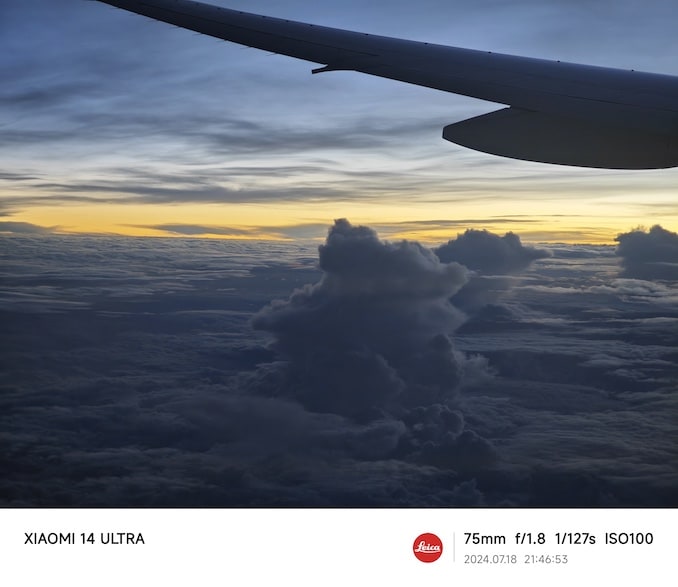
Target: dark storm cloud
372,334
489,253
370,342
651,254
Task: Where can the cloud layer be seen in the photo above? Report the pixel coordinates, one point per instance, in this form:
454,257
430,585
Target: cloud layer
133,376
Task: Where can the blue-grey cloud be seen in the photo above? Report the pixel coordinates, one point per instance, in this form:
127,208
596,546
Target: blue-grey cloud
131,375
372,334
651,254
292,232
489,253
24,228
197,230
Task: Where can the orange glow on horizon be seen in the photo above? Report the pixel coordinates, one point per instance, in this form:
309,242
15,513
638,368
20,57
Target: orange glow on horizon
287,221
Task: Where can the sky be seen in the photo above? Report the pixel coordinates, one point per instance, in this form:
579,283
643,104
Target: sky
114,124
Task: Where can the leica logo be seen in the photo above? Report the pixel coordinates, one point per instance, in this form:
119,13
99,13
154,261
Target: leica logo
427,547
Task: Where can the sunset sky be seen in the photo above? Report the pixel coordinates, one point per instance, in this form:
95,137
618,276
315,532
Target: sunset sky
112,123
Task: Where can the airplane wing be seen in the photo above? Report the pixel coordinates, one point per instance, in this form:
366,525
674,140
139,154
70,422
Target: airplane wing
561,113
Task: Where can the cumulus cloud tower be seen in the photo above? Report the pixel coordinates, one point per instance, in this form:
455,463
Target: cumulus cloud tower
649,255
488,253
373,332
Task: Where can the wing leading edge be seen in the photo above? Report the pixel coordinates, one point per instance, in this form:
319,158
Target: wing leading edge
561,113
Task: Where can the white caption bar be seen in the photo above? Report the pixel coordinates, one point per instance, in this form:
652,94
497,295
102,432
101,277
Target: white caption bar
336,546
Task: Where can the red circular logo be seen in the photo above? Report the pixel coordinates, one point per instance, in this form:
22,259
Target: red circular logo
427,547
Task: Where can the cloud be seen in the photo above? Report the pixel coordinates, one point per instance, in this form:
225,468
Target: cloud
139,381
489,253
25,228
491,258
373,334
196,229
289,232
9,176
371,341
649,255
